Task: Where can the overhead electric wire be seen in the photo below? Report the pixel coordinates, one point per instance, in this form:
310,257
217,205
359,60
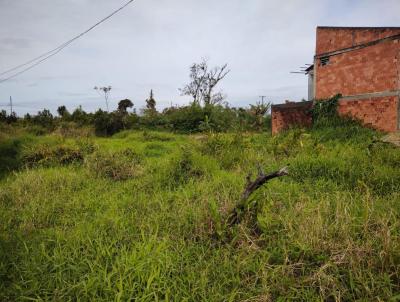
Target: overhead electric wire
31,61
56,50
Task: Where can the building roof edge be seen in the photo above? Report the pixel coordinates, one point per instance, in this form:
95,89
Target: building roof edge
358,27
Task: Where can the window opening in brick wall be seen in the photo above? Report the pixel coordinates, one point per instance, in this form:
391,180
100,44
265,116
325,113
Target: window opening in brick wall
324,61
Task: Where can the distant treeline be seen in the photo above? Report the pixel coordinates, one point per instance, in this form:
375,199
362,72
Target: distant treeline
206,112
184,119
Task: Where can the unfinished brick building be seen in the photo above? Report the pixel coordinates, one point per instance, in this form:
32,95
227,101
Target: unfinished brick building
362,64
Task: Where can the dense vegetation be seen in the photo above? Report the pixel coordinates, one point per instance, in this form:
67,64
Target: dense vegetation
141,215
185,119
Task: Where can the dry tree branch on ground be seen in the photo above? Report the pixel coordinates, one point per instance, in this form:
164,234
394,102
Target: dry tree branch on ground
237,213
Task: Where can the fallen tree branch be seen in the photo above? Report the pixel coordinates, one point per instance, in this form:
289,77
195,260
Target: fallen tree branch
251,186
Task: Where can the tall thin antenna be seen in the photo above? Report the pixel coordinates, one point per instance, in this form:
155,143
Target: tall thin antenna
262,98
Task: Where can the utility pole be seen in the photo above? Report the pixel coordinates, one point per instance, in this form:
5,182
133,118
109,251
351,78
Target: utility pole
11,108
262,98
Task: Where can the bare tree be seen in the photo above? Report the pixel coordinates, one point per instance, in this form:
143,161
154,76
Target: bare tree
213,77
203,82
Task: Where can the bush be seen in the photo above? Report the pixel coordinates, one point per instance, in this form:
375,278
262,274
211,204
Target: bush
185,119
47,155
44,119
106,124
120,165
9,150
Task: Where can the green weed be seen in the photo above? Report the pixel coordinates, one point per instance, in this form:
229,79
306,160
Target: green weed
143,218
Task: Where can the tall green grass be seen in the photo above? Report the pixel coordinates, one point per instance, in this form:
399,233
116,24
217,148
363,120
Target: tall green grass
330,231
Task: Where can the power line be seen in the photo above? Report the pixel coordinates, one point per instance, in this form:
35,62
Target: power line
56,50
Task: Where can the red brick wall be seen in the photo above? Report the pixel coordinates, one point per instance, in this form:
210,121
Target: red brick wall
331,38
367,77
289,115
370,69
379,112
374,69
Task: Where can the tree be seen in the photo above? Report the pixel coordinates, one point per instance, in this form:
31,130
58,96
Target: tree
80,116
212,79
3,116
107,123
27,117
259,111
203,82
151,103
150,117
106,90
44,118
123,105
62,111
12,118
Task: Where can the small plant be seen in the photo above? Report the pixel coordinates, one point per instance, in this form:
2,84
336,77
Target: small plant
324,112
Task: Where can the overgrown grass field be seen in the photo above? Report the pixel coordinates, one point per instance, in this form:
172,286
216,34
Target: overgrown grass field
141,216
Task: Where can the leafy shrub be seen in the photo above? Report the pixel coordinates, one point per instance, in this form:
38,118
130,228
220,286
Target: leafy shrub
9,150
44,119
325,115
217,118
324,112
80,117
185,119
120,165
108,123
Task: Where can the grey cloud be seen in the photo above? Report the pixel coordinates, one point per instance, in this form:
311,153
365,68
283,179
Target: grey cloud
151,44
73,94
13,43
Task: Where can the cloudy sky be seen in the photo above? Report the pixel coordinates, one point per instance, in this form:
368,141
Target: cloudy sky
152,43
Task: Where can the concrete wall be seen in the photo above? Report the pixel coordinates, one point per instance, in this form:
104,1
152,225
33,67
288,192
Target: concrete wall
311,85
285,116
